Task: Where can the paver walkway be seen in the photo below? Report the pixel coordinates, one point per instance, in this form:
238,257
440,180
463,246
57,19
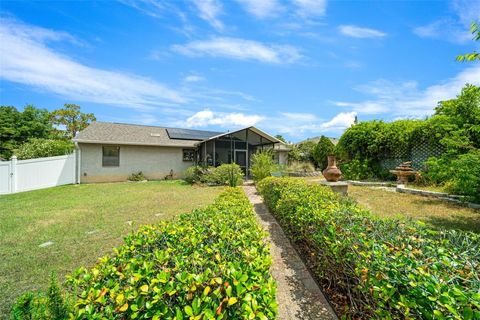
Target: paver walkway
298,295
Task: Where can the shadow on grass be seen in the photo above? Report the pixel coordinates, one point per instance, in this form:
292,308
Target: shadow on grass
455,222
450,219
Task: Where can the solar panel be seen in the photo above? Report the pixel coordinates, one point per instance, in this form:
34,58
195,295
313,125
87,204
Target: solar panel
188,134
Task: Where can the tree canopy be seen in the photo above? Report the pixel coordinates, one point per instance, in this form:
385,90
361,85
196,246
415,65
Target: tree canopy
72,119
454,128
16,127
281,138
19,127
321,151
475,29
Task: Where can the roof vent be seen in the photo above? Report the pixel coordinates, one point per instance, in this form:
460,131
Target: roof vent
155,135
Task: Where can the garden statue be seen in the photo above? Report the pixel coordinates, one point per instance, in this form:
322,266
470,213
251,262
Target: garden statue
332,173
403,171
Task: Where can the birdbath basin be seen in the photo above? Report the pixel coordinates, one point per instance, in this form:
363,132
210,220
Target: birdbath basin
403,171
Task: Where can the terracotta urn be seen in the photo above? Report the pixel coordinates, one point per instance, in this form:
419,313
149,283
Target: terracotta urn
332,173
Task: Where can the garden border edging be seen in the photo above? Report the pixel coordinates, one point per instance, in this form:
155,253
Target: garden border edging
402,189
439,195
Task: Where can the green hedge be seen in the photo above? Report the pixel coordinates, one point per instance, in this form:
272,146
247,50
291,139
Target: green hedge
385,268
210,264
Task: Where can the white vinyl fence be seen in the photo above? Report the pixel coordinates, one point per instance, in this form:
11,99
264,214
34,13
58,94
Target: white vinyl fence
23,175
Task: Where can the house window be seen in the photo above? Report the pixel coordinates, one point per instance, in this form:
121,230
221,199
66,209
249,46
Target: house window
110,156
188,154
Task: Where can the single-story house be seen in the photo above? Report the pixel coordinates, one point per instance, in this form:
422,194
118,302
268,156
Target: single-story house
110,152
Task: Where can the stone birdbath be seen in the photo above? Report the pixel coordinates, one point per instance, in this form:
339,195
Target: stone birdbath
403,171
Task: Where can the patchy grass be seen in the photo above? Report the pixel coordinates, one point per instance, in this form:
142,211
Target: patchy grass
84,222
439,214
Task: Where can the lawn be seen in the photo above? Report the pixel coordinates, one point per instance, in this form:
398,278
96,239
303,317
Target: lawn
437,213
84,222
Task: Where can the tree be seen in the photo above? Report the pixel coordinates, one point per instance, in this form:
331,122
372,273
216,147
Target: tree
72,118
475,29
463,120
17,127
323,148
281,138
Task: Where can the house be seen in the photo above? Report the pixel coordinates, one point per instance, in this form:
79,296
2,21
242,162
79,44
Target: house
316,139
110,152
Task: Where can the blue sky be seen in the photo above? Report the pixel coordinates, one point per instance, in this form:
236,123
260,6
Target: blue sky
299,68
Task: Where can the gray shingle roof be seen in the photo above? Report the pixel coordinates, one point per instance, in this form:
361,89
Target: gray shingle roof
132,134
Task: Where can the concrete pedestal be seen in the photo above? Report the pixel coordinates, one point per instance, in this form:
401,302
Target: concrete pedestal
337,187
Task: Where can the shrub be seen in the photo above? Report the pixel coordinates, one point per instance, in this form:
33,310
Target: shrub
356,170
465,178
193,174
29,306
385,268
437,170
321,151
40,306
39,148
262,165
138,176
225,174
296,166
460,175
212,263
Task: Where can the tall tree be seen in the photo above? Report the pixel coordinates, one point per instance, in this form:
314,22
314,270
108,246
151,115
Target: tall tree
72,118
322,150
17,127
475,29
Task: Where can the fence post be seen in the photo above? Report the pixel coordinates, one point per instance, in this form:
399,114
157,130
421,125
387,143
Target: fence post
78,163
13,174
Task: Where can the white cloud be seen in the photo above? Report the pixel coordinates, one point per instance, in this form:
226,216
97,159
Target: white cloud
240,49
302,124
360,32
209,10
444,29
405,99
153,8
207,118
366,107
193,78
289,123
466,10
311,7
454,28
27,59
341,121
261,8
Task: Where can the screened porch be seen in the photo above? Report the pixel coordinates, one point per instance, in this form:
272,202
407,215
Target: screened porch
234,147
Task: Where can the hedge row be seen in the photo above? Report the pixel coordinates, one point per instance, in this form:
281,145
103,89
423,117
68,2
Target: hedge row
384,268
210,264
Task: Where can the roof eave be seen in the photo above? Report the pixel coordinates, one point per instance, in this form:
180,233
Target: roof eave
134,143
260,132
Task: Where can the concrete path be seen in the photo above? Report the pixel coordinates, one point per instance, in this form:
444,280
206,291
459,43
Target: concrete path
298,295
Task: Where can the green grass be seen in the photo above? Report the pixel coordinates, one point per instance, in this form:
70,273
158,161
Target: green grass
437,213
84,222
